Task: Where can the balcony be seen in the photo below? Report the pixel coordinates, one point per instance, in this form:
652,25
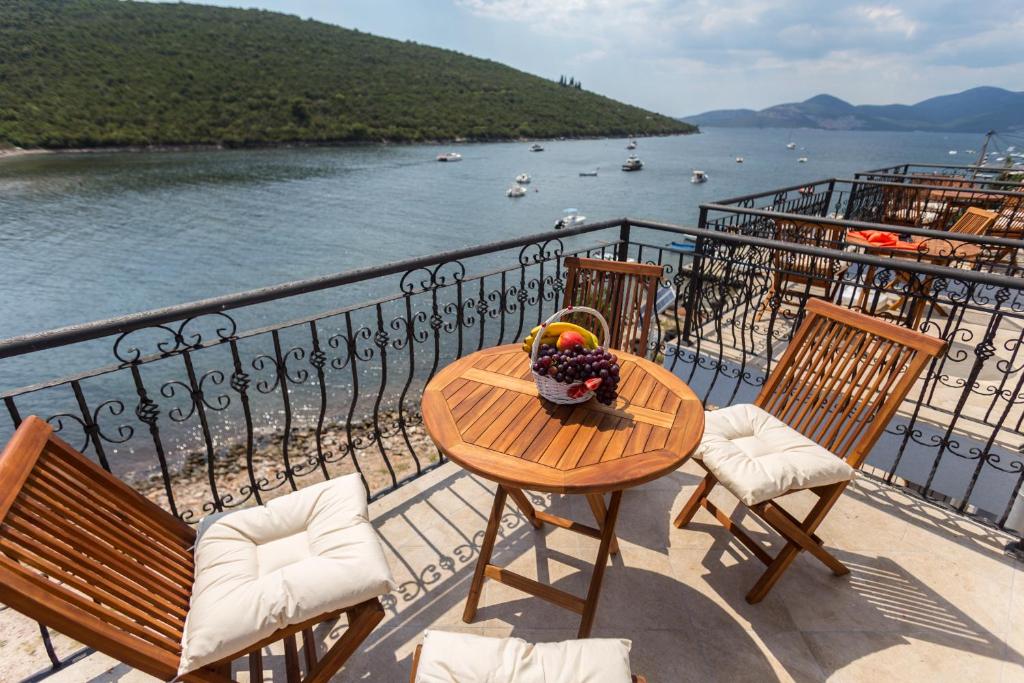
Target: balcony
230,402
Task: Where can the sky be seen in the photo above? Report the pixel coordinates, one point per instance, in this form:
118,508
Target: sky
681,57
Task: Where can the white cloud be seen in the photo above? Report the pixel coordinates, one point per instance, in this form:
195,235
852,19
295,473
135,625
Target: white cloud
888,18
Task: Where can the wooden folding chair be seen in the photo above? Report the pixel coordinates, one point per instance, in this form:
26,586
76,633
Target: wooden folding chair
839,383
624,292
974,221
85,554
804,271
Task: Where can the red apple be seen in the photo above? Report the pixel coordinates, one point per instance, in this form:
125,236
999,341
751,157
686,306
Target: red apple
569,339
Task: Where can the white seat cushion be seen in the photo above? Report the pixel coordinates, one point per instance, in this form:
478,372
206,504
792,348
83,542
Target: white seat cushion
297,557
758,457
465,658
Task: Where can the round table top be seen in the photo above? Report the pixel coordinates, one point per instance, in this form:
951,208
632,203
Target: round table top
484,412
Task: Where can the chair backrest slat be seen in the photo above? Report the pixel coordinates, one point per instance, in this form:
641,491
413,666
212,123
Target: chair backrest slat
843,377
87,555
624,292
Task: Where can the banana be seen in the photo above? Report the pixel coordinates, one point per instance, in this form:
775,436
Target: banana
546,339
557,328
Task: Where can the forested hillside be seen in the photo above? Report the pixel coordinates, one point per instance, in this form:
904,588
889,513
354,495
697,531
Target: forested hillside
83,73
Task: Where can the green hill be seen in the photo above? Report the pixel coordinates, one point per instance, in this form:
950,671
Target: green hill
85,73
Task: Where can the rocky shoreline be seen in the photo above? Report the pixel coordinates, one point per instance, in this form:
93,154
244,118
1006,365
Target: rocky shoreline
308,463
12,152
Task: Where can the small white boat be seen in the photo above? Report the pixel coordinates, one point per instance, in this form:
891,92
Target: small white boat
739,160
536,147
633,163
588,174
698,177
450,156
631,145
952,152
790,145
570,219
523,179
802,160
515,191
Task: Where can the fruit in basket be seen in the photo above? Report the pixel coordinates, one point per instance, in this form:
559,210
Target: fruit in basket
550,334
570,339
583,369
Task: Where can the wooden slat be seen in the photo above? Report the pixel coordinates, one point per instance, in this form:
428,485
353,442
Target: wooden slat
501,423
580,444
484,418
567,432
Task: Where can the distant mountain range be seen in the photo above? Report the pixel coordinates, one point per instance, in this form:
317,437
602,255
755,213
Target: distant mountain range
972,111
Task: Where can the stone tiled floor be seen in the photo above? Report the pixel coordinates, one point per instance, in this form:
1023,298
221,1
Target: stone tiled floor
930,596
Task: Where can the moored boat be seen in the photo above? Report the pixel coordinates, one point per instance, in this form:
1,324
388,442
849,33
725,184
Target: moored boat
802,160
570,219
450,156
698,176
588,174
523,179
739,160
515,191
536,147
631,145
633,163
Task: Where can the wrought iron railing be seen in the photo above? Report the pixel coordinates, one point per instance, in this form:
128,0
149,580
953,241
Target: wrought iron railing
898,195
218,404
969,171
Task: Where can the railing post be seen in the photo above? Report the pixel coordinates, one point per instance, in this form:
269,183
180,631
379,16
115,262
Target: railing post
828,197
622,253
692,297
1016,549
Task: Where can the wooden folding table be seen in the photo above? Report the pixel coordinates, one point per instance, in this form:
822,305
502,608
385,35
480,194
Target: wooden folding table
483,411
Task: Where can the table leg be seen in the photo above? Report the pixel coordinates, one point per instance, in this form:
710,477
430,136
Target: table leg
594,592
596,501
524,505
486,549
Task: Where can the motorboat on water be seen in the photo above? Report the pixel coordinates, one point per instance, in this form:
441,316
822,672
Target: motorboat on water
952,152
631,145
588,174
523,179
790,145
450,156
633,163
536,147
698,177
570,219
515,191
683,246
739,160
802,160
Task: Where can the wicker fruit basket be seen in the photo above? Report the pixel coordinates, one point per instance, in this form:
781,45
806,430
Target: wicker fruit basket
550,388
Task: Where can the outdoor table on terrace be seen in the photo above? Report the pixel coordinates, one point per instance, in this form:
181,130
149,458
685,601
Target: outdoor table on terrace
484,412
922,249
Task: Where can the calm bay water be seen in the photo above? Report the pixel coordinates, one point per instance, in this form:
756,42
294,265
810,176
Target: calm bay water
87,236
